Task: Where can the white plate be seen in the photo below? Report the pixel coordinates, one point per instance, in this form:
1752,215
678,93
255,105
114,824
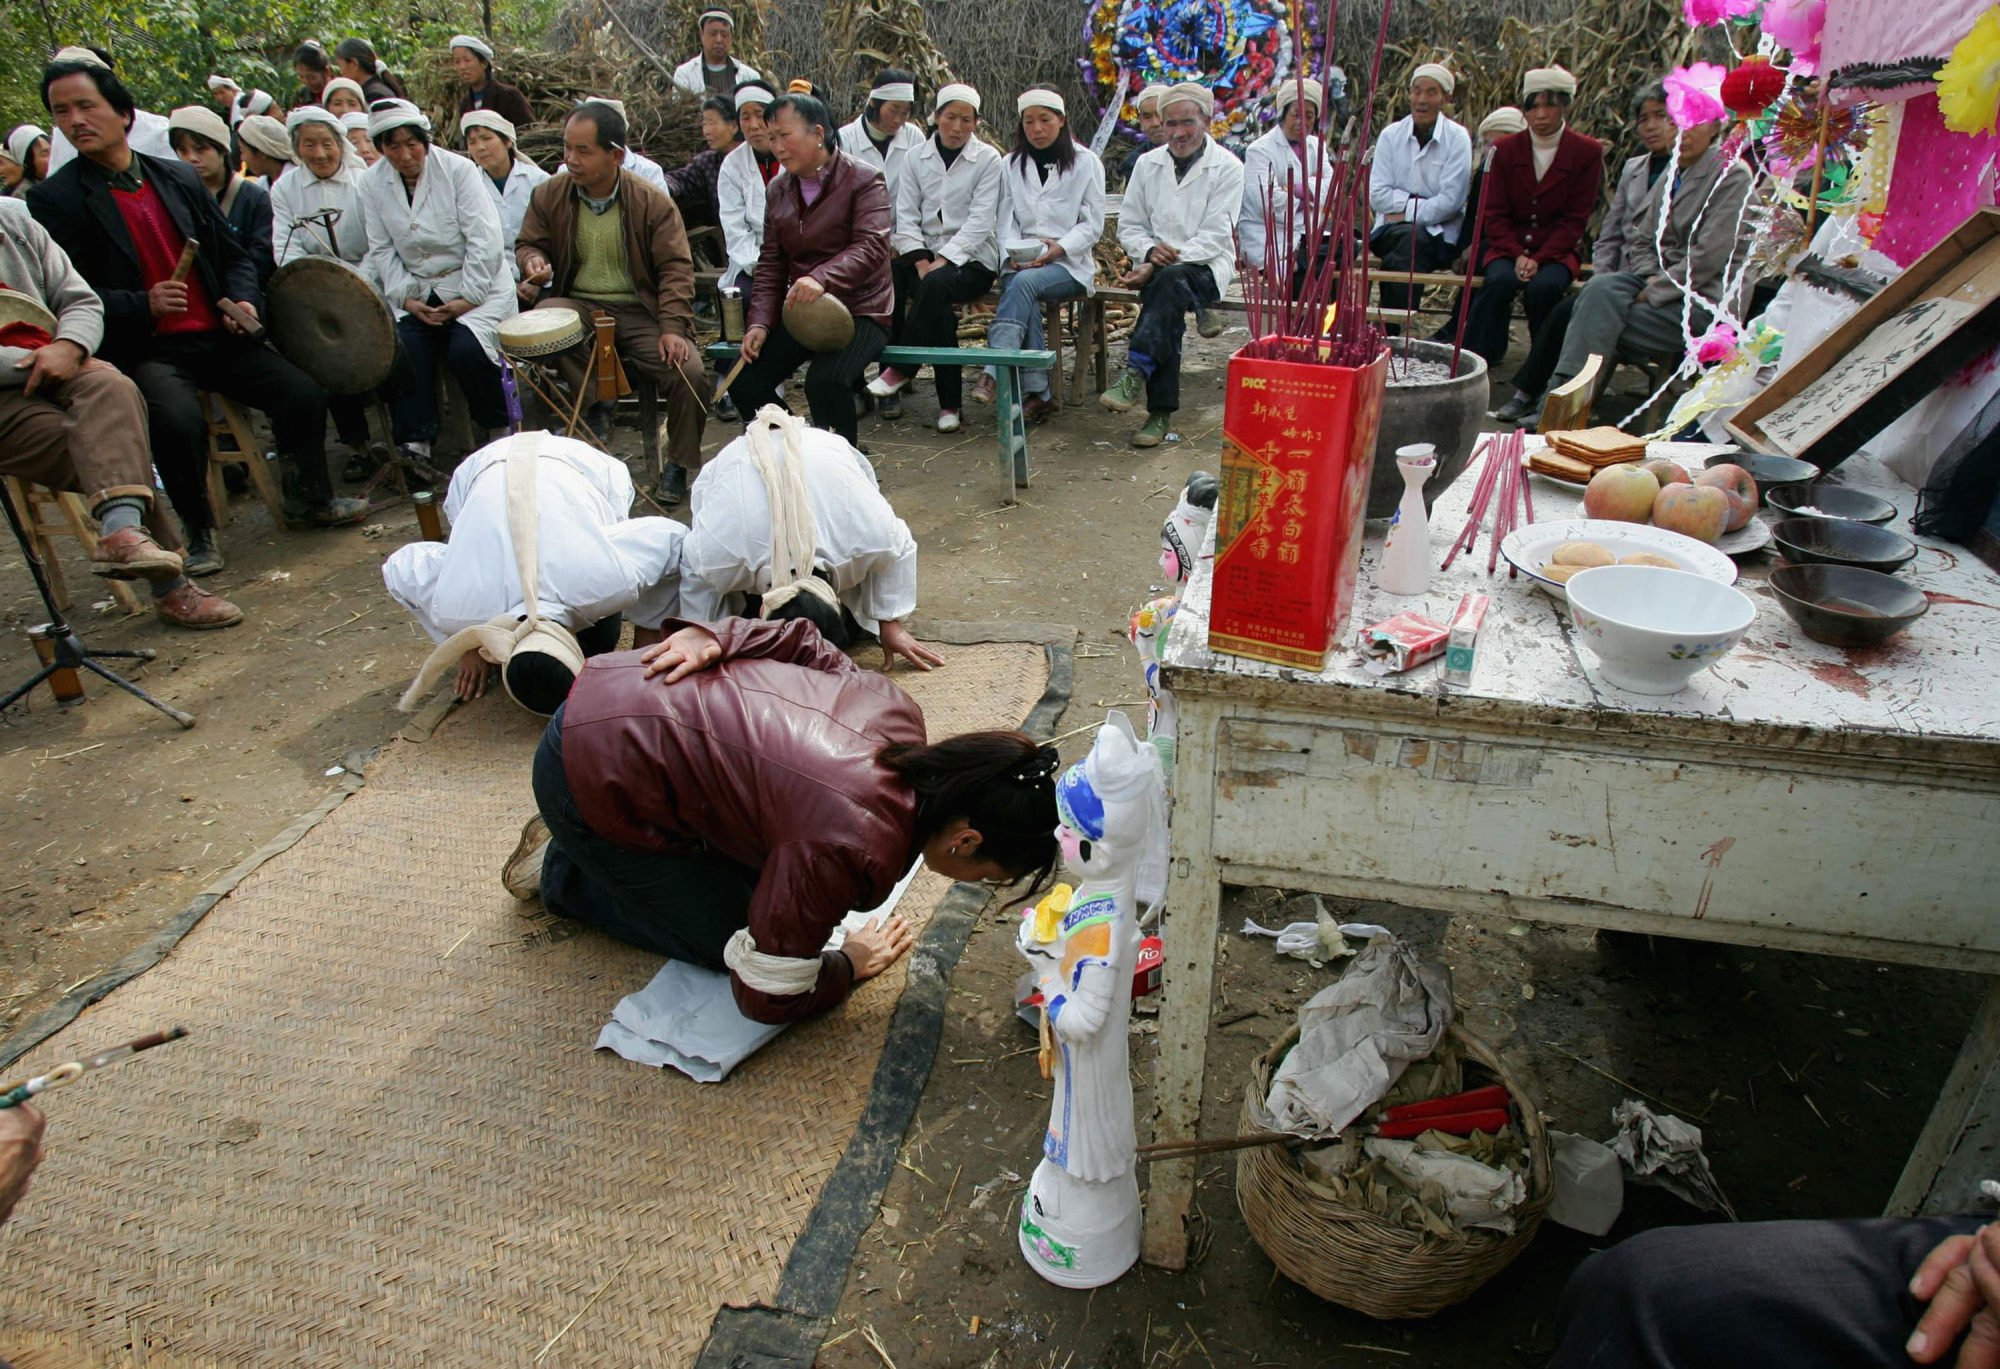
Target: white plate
1528,549
1754,535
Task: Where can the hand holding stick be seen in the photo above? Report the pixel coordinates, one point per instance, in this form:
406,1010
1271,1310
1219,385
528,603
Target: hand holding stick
16,1094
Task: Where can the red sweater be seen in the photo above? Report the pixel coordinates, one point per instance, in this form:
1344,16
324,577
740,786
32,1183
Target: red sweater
159,242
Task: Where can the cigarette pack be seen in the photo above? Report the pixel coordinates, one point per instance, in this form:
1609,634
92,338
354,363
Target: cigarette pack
1462,648
1401,643
1146,972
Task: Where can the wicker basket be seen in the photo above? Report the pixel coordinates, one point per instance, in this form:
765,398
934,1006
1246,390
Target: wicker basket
1357,1259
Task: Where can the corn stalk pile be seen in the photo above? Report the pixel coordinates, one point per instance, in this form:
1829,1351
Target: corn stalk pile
864,36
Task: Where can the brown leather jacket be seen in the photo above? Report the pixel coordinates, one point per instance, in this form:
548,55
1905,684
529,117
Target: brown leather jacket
841,240
766,758
656,245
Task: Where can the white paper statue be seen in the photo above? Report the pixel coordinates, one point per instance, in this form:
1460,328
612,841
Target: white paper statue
1080,1218
1180,544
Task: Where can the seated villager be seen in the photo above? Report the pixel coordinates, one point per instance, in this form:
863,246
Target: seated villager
714,70
355,126
1417,187
804,482
201,139
146,131
603,241
882,134
314,69
595,566
636,162
1052,191
223,91
71,422
1283,172
124,218
1544,189
267,149
472,60
357,62
728,796
693,187
434,248
327,182
1636,314
1178,225
342,97
252,102
1742,1295
947,241
1616,237
740,184
1501,124
1146,109
489,141
826,232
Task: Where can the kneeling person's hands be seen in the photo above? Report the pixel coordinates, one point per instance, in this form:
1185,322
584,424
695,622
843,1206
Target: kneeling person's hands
879,945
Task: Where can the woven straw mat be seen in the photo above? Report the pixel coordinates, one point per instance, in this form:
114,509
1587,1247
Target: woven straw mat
388,1140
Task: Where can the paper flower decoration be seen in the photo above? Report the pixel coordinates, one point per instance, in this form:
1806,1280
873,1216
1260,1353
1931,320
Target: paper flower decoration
1750,89
1717,344
1798,26
1694,94
1702,13
1969,84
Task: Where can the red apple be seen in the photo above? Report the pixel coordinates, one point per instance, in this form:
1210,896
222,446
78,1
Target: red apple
1623,493
1697,511
1667,472
1735,482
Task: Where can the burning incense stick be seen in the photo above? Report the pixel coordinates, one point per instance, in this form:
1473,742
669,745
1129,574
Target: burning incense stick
15,1094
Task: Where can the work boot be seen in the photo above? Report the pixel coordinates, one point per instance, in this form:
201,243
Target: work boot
522,874
132,554
191,606
1037,408
202,556
673,486
1158,424
1207,322
984,388
1514,410
334,511
889,406
1127,394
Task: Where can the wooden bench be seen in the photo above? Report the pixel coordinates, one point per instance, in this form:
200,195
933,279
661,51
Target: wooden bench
1013,424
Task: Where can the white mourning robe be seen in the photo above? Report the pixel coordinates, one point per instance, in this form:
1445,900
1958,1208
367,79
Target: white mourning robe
1195,216
1068,207
1275,177
689,78
512,202
149,134
445,239
739,203
855,142
867,552
952,211
300,194
594,560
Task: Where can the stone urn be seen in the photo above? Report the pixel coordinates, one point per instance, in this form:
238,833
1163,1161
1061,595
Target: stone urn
1444,413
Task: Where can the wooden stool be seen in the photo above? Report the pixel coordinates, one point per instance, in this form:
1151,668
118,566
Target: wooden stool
226,420
61,513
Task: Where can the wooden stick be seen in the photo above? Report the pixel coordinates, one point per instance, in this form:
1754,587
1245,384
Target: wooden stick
1181,1150
1819,158
722,386
185,265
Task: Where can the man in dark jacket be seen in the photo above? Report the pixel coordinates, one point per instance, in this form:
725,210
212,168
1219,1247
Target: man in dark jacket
1545,184
125,220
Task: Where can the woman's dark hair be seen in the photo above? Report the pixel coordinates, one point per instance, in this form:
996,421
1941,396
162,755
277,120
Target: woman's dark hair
1655,91
1554,97
417,131
1002,784
811,110
311,56
175,137
889,76
1063,148
609,123
828,618
538,681
107,83
362,51
722,106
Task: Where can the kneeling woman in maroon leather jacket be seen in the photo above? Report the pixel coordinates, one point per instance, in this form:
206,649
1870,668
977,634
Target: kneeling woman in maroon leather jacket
727,796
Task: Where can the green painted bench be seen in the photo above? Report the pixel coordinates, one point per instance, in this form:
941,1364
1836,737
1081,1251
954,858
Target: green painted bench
1012,461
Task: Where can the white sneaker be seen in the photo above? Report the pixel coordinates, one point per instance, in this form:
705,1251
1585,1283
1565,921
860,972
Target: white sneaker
947,420
522,874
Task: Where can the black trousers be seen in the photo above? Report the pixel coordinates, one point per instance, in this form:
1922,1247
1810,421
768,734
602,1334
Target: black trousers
1761,1295
1533,377
1154,347
420,349
248,373
830,376
1396,244
928,305
681,907
1492,310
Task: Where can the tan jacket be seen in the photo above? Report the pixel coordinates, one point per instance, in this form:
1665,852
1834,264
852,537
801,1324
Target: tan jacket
656,245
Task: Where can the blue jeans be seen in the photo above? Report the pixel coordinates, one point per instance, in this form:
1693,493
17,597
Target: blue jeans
1017,323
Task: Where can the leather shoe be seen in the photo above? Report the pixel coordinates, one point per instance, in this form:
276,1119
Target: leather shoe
1037,408
673,486
192,606
202,557
132,554
335,512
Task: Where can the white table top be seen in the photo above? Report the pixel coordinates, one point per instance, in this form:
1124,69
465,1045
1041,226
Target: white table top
1930,694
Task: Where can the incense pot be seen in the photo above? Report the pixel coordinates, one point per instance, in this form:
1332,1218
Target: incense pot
1080,1217
1446,413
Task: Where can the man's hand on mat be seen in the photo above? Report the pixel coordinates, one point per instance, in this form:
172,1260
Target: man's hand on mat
473,673
1961,1282
21,1147
681,655
897,641
879,945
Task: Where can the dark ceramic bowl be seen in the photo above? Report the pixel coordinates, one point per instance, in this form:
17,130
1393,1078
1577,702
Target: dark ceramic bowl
1832,501
1770,472
1846,605
1835,542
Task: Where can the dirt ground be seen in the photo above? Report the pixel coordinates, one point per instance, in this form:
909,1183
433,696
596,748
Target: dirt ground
1810,1076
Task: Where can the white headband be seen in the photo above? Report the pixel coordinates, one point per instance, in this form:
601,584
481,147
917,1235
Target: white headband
604,100
1193,94
754,95
702,20
1149,96
1438,72
262,133
895,90
1505,119
22,141
1552,80
310,114
957,90
256,102
472,44
222,83
393,114
487,119
355,119
1039,99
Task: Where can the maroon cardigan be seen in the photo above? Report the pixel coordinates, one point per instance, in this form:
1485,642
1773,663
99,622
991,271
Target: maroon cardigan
766,758
841,240
1542,219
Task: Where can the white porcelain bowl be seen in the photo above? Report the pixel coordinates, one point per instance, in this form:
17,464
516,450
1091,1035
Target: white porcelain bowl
1654,629
1023,251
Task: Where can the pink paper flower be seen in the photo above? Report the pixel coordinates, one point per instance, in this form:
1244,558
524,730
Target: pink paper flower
1717,344
1694,94
1702,13
1799,26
